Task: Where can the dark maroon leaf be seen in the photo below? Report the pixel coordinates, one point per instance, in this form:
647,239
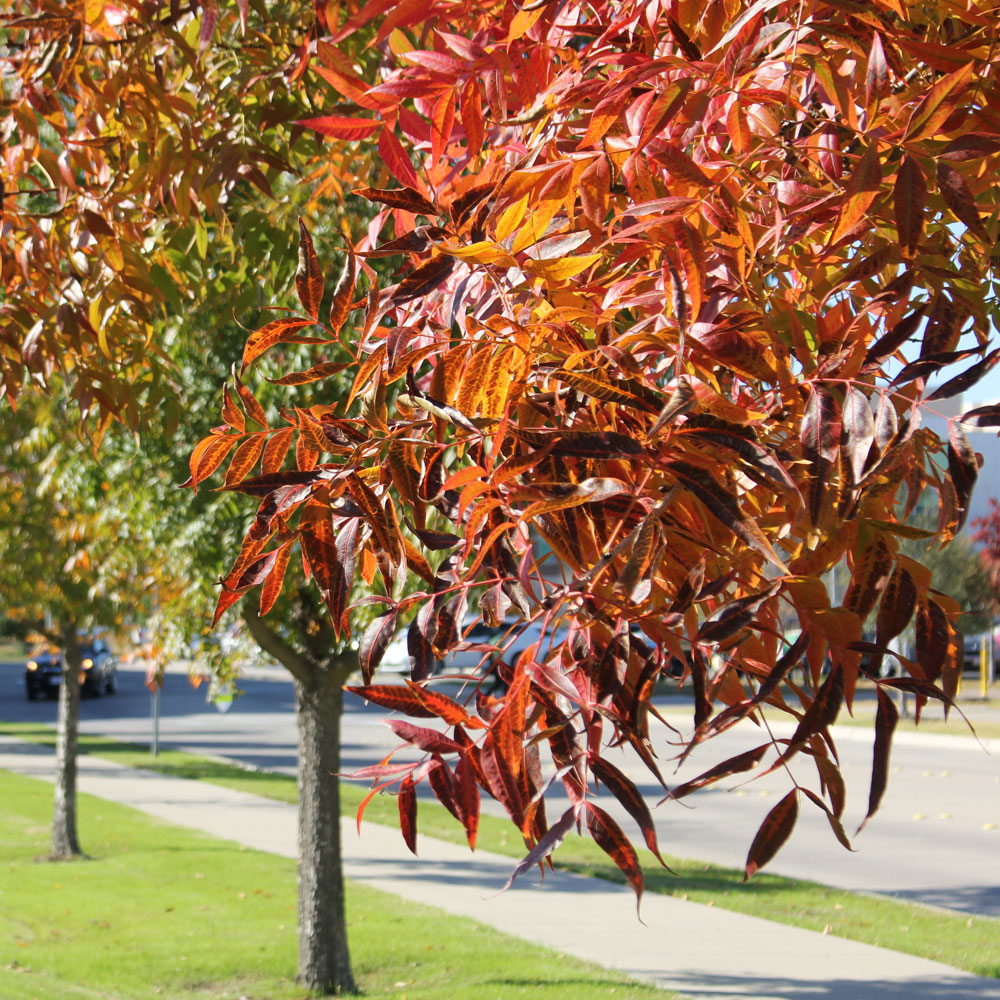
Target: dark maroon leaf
745,761
822,713
774,831
963,466
886,717
405,198
308,276
424,279
983,416
968,378
888,344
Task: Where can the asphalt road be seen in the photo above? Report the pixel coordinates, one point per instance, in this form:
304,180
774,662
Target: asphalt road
936,838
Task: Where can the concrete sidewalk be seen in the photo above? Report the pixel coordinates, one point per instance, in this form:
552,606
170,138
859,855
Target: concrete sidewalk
699,951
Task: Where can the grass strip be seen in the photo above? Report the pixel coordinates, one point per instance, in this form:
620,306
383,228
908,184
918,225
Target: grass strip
969,943
160,910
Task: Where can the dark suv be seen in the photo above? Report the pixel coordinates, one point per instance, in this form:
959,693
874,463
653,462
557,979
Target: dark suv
43,672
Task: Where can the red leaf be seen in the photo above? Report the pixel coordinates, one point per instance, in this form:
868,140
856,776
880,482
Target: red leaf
308,276
467,799
208,455
773,832
609,838
339,127
423,738
395,158
963,467
374,641
407,802
862,189
395,698
625,791
886,717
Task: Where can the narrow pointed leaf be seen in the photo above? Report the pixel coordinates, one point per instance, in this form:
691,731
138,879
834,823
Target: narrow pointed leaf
886,717
774,831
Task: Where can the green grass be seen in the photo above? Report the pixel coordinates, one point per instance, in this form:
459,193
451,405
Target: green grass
970,943
159,910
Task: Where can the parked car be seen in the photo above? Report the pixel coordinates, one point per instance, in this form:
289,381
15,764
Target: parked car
43,672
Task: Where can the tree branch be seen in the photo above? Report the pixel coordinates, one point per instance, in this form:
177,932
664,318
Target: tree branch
299,666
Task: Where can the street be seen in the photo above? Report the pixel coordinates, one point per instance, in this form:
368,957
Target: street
936,838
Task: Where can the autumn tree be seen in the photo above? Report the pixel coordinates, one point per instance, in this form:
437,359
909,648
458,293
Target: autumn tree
671,280
133,136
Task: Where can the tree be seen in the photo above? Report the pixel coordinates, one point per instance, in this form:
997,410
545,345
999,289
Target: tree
75,554
136,131
673,281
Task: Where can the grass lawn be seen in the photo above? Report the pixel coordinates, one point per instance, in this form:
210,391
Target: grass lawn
970,943
159,910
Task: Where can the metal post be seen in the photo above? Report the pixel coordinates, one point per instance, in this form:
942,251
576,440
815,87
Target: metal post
156,720
984,668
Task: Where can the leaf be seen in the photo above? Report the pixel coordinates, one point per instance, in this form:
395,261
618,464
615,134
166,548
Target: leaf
723,505
553,837
877,82
272,585
862,189
937,104
745,761
404,197
308,276
933,635
909,198
429,740
424,279
467,797
967,379
278,331
958,197
208,455
407,803
625,791
982,416
888,344
609,838
680,164
963,467
858,429
871,572
374,640
899,599
245,457
395,158
774,831
731,618
339,127
822,713
886,717
314,374
394,697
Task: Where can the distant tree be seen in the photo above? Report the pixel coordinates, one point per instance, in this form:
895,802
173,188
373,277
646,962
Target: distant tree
77,551
987,536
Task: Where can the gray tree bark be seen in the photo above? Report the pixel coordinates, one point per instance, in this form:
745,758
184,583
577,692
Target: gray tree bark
65,843
324,959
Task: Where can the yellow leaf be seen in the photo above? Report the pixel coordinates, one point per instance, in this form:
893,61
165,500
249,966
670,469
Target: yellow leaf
510,219
483,252
561,269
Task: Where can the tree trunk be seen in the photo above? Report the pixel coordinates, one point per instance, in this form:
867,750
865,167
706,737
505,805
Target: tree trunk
64,838
324,961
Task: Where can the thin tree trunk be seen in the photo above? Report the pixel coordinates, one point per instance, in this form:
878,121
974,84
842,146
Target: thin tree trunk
324,961
65,843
